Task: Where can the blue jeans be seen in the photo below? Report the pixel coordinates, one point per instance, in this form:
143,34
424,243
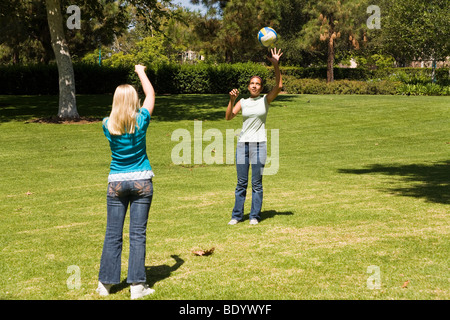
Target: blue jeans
138,195
254,153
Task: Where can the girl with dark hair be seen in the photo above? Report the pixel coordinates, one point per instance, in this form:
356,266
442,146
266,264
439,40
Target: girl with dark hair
251,147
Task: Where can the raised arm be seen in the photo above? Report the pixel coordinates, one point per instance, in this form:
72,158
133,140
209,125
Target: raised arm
278,80
149,101
233,110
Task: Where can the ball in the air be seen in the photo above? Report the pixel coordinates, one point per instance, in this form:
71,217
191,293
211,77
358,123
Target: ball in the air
267,37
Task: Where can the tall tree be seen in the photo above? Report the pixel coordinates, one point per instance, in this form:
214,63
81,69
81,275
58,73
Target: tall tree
23,24
231,27
206,28
241,22
101,22
220,4
67,101
414,30
292,19
331,20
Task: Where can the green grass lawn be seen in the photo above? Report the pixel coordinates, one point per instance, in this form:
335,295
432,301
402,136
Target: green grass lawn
363,181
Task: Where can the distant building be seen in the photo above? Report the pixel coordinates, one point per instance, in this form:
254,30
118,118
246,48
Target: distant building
429,63
352,64
191,56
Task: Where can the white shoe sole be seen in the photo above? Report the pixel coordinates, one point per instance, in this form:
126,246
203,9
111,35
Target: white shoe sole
141,294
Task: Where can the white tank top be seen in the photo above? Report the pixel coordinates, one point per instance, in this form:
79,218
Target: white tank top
254,113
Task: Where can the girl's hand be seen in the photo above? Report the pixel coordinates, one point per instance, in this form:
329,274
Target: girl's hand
234,94
139,68
275,55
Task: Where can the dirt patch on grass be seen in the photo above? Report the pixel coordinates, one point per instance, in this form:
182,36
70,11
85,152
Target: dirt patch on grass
58,120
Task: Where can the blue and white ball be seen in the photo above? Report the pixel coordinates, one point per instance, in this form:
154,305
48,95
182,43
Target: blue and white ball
267,37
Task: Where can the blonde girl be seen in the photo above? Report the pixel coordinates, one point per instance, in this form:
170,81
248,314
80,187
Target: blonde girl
129,184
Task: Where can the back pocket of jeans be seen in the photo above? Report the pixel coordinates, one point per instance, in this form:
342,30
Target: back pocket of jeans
115,188
144,188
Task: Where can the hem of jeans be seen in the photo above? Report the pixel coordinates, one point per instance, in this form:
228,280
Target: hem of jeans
109,282
138,281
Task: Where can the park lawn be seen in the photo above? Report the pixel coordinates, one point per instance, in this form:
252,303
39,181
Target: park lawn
358,209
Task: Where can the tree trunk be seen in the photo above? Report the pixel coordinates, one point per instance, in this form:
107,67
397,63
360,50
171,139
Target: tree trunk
16,55
330,60
67,101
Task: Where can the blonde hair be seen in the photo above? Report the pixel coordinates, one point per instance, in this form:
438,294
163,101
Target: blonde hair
125,107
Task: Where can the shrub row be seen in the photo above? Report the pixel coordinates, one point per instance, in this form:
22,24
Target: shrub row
406,75
386,87
94,79
175,79
414,75
221,78
319,86
321,73
420,89
43,79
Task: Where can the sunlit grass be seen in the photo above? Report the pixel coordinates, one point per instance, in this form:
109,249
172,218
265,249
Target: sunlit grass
363,180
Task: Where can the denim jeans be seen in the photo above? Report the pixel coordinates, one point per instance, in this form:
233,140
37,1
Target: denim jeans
136,194
254,153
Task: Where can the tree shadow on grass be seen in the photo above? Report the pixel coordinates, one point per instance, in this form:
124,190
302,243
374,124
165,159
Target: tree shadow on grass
154,274
44,109
200,107
93,108
428,181
190,107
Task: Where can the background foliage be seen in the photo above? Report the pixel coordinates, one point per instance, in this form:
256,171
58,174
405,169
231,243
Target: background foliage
115,35
174,78
410,30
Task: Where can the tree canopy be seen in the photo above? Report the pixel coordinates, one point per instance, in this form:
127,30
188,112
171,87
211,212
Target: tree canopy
311,32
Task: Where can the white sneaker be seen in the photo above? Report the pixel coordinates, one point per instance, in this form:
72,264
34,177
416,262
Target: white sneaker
253,221
103,289
140,290
233,222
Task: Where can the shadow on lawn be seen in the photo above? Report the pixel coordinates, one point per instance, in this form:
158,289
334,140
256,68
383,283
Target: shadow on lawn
268,214
190,107
154,274
431,182
44,109
198,107
91,108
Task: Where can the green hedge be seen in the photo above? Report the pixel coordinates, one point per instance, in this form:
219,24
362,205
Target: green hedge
203,78
38,79
43,79
405,75
429,89
221,78
167,79
413,75
293,85
321,73
94,79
